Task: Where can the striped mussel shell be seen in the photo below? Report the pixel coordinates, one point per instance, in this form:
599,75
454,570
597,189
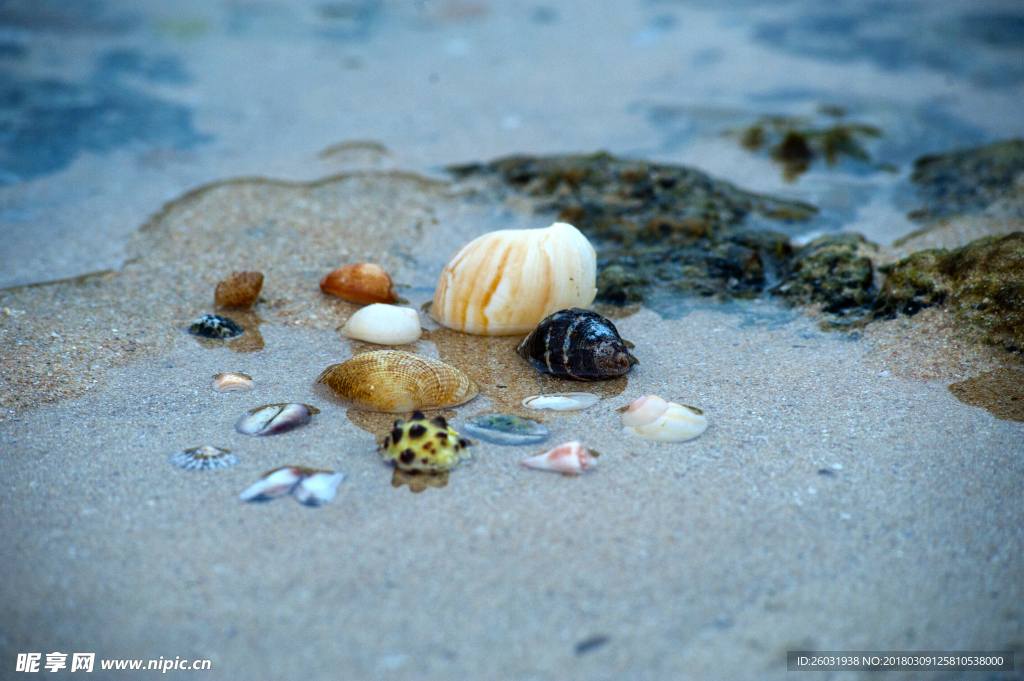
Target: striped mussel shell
577,344
397,382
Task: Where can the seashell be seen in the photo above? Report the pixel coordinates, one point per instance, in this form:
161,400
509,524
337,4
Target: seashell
204,458
273,484
215,326
505,282
318,487
577,344
232,383
655,419
240,289
424,446
362,283
503,429
397,382
383,324
570,458
272,419
562,401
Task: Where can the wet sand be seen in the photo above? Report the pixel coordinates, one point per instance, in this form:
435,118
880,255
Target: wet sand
841,498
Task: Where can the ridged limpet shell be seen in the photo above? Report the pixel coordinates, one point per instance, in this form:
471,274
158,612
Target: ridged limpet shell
397,382
232,382
204,458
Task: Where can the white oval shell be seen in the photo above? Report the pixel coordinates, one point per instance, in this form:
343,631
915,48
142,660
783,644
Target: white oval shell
676,424
569,457
562,401
505,282
644,410
383,324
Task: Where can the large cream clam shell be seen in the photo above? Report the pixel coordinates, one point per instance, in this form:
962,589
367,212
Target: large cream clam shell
505,282
397,382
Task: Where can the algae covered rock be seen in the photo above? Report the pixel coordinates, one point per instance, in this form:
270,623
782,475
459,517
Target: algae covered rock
654,225
982,283
969,181
834,270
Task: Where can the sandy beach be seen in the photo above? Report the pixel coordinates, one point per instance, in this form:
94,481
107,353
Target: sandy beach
847,495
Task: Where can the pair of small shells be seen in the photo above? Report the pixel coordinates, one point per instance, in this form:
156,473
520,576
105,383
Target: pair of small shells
310,487
397,382
505,282
362,283
654,418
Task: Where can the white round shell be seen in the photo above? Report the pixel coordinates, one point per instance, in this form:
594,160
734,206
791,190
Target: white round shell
506,282
384,325
676,424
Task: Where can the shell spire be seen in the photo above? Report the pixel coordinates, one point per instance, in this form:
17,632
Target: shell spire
503,283
571,458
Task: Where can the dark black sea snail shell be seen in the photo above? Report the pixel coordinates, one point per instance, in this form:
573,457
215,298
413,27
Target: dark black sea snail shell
578,344
215,326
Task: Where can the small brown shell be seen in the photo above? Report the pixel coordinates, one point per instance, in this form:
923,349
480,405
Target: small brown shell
362,283
240,290
397,382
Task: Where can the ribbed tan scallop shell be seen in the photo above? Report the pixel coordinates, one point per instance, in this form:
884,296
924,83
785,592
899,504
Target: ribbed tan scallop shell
505,282
397,382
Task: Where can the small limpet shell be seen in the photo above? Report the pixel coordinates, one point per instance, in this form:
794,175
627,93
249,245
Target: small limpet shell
318,488
397,382
384,325
362,283
231,382
654,418
571,458
239,289
204,458
562,401
505,429
271,419
215,326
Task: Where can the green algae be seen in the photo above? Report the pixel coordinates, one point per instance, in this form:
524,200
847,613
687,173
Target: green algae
795,142
982,284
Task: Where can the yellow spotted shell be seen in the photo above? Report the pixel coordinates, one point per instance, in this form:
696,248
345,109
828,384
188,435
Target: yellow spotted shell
397,382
